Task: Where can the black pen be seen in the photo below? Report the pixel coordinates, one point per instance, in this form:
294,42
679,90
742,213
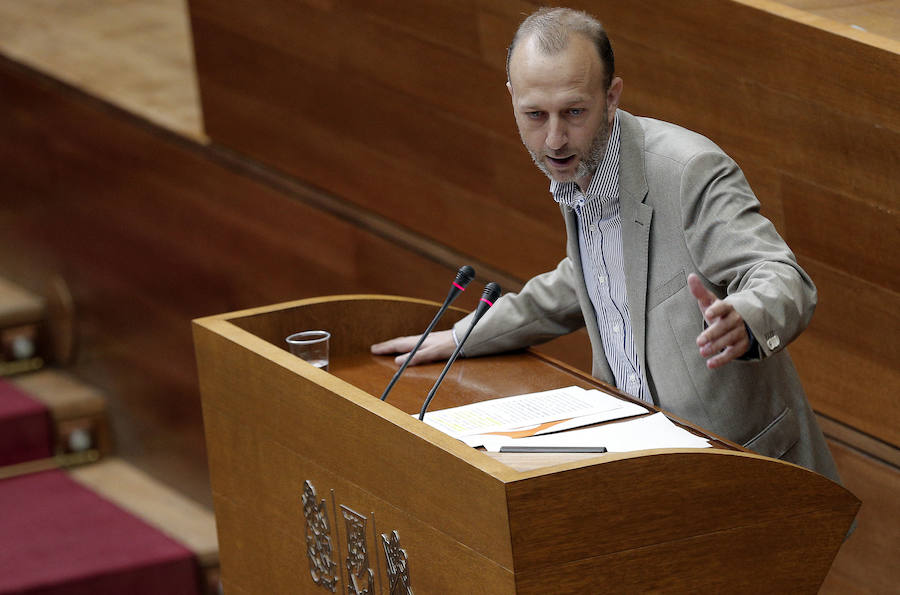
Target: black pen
553,449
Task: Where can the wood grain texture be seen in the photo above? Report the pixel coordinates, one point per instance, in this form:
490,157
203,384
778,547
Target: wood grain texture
566,516
850,371
136,54
268,497
269,428
876,17
855,236
867,561
739,560
148,228
852,438
460,163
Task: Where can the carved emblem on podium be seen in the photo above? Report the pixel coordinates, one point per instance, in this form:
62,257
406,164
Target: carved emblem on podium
361,578
318,540
397,565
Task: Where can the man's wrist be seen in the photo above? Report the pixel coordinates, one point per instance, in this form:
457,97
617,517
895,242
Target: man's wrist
752,351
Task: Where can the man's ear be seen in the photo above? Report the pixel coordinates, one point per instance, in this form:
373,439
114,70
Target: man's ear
613,94
509,88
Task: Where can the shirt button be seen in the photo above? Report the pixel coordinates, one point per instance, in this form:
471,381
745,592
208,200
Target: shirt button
616,329
592,227
773,342
601,280
632,378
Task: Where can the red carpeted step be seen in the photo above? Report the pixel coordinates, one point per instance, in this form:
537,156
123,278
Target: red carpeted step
26,428
57,537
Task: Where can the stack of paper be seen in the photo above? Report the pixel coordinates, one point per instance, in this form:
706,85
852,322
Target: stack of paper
532,414
649,432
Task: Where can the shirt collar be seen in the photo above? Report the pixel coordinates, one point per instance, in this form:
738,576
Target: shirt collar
605,181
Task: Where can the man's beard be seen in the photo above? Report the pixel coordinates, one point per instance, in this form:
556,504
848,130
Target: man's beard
587,163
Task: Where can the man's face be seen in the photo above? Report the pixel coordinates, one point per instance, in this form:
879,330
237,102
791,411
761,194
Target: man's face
561,107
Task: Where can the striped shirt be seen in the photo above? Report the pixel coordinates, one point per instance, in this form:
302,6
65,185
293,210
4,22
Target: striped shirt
600,244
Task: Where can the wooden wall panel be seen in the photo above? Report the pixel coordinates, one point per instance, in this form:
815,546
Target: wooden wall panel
750,40
867,562
855,235
151,231
846,150
434,129
848,357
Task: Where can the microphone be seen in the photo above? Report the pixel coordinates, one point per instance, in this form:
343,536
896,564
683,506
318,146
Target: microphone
463,276
490,295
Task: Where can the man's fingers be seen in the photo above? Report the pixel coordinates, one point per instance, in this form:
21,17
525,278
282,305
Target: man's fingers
723,321
733,337
704,297
438,346
402,358
424,355
719,309
731,352
396,345
722,358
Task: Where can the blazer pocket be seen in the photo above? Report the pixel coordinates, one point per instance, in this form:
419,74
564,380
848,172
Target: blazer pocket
777,437
666,290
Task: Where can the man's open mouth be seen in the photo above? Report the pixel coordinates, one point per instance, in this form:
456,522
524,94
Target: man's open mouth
561,161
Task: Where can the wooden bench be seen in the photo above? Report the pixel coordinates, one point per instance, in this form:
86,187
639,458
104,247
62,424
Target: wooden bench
78,410
21,316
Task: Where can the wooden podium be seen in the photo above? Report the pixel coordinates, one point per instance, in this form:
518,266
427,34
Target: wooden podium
320,486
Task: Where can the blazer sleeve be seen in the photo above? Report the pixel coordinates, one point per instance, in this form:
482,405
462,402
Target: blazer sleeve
740,255
547,307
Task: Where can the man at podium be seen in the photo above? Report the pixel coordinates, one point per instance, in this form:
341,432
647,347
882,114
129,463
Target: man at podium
688,293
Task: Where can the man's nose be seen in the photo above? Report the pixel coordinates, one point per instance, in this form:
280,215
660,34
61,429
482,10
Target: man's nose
556,134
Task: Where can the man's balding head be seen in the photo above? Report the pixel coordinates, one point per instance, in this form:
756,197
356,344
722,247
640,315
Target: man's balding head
551,27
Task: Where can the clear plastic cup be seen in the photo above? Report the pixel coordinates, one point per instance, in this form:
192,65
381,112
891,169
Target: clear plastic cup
311,346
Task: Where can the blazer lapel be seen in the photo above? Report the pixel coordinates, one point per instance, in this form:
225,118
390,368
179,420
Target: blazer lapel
636,216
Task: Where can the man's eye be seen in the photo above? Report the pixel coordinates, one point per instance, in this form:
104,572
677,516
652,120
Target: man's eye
576,111
534,115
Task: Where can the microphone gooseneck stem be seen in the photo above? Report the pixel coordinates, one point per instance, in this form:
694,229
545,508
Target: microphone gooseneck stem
409,357
490,295
440,379
464,276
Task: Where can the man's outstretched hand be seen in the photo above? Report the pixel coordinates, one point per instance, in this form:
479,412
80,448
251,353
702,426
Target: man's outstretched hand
438,346
725,338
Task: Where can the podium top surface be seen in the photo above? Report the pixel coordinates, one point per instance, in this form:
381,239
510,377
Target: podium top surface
357,321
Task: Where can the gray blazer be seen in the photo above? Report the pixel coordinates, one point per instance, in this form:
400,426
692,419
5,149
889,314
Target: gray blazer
686,207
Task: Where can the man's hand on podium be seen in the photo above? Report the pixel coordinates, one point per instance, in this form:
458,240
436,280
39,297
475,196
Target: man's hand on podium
438,346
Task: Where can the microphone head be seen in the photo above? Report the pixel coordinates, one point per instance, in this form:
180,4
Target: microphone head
464,275
491,293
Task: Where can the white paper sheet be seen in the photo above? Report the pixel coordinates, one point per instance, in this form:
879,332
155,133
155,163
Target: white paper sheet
573,406
652,431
